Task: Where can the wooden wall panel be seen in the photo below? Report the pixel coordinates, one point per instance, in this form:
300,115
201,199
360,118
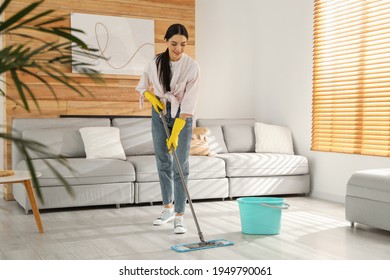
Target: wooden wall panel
117,88
117,96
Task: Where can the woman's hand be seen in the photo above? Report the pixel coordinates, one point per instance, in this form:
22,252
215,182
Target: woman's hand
157,105
173,140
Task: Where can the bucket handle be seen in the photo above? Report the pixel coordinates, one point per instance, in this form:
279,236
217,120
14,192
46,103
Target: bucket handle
285,206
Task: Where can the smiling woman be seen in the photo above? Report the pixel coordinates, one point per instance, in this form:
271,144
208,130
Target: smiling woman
176,45
173,77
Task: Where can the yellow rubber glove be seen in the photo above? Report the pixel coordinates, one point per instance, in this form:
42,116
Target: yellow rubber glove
174,138
157,105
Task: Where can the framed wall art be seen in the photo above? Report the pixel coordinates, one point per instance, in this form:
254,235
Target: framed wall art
125,45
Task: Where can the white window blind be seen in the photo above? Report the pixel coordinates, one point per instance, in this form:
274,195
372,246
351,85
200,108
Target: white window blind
351,77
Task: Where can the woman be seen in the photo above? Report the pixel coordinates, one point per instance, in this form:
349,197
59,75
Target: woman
170,83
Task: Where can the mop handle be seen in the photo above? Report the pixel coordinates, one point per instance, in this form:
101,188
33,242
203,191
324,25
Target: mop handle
182,177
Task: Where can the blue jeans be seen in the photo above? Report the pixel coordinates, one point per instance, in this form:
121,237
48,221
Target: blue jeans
172,189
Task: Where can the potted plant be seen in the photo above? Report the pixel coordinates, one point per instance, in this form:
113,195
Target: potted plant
37,56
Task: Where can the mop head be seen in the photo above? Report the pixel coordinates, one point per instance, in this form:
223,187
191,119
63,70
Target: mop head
201,245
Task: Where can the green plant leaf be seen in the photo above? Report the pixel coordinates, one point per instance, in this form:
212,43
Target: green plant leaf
4,6
19,86
42,60
18,16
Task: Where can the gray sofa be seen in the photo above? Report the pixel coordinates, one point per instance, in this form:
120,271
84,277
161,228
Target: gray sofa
236,170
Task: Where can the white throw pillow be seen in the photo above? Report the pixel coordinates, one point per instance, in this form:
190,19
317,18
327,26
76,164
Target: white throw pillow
102,142
273,139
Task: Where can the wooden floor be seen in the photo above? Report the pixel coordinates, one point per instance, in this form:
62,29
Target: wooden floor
312,229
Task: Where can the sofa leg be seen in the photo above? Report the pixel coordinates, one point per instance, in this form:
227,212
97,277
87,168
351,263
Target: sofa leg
117,206
151,203
352,224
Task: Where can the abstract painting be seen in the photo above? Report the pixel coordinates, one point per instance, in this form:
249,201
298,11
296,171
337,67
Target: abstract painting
125,45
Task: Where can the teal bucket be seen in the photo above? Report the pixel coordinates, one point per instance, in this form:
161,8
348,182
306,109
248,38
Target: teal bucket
261,215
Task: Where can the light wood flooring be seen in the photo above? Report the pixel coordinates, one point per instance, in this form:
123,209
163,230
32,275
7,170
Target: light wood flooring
312,229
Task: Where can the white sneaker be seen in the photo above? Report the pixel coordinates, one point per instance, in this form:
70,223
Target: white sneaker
179,225
166,215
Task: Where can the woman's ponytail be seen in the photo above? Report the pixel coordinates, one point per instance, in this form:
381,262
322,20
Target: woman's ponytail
164,70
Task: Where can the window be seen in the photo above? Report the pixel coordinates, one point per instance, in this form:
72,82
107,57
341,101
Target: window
351,77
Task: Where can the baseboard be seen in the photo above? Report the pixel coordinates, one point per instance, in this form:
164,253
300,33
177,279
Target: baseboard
328,196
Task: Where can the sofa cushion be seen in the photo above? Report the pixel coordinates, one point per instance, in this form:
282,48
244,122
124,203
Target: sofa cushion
265,164
273,139
74,148
201,167
85,171
136,135
64,141
239,138
215,139
371,184
204,167
145,168
102,142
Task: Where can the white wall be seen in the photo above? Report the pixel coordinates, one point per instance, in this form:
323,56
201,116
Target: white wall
225,52
284,65
278,34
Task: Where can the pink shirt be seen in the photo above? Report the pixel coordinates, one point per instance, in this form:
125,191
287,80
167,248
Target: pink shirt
184,85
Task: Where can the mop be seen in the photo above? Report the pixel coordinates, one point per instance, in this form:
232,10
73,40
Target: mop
197,245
